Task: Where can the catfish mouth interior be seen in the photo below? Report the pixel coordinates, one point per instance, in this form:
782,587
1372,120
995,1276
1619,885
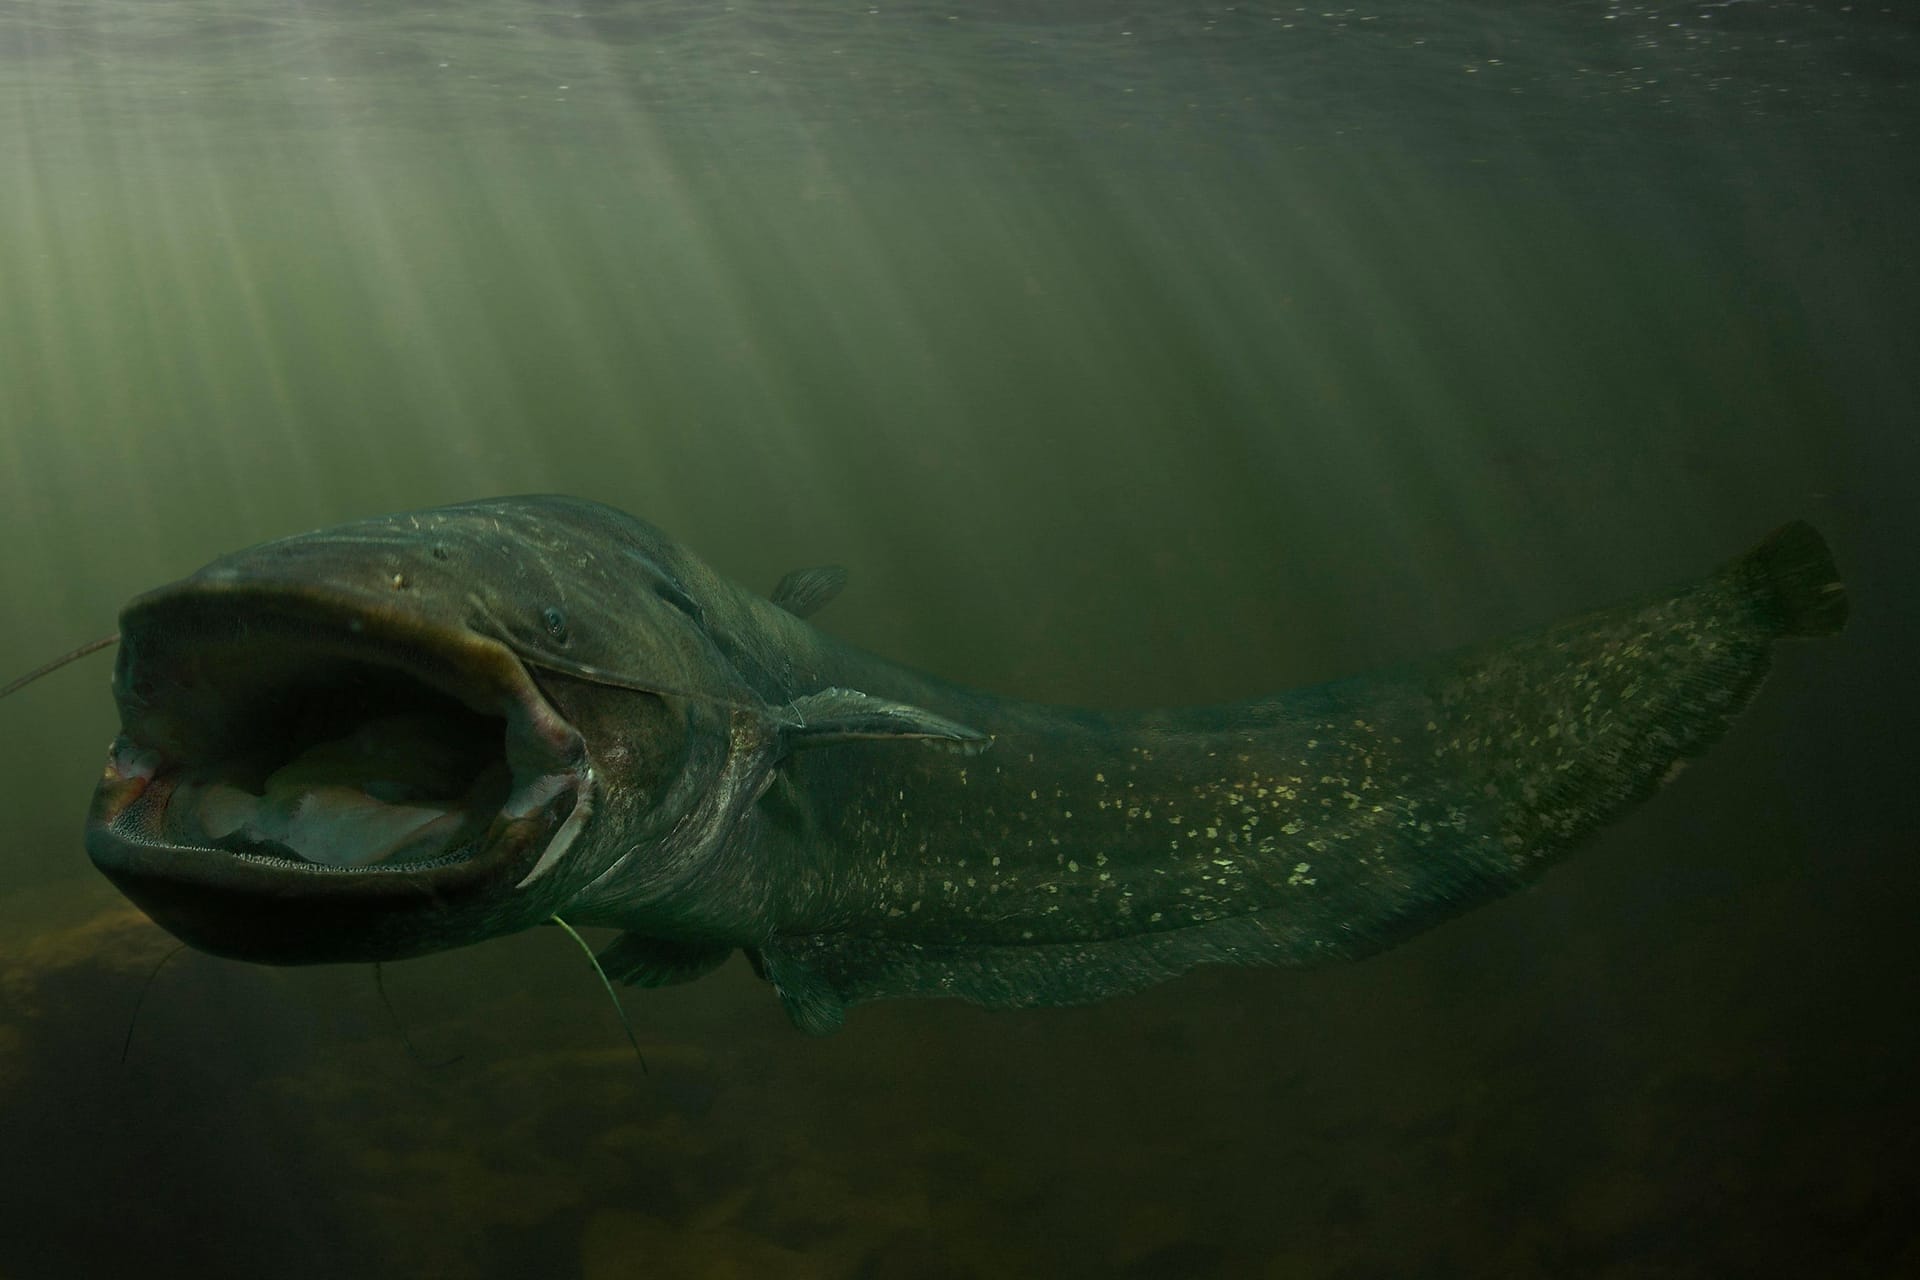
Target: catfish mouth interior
325,736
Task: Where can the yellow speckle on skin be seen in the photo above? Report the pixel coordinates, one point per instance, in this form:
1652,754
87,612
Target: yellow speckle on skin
1099,777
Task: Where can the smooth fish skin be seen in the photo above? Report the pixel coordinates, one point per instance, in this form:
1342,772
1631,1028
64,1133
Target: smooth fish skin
429,729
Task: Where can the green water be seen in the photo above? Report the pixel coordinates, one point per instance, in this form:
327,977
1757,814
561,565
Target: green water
1125,357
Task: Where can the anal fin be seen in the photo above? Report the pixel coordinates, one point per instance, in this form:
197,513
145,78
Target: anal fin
817,977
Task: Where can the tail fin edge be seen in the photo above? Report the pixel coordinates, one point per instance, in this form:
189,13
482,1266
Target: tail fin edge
1796,582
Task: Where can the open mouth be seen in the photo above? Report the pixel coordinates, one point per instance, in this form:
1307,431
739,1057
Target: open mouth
300,733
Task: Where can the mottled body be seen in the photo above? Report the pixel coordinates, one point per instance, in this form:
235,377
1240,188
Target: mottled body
739,779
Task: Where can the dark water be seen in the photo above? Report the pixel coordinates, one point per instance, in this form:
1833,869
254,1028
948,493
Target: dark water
1126,356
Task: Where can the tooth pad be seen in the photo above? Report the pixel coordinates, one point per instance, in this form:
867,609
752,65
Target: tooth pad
392,789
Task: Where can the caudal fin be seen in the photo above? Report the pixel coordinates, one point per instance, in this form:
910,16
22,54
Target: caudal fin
1795,582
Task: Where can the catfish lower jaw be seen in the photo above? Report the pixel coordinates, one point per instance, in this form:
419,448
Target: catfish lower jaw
271,909
337,829
298,781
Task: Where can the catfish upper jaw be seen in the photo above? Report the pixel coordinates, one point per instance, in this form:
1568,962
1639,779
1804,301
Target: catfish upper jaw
310,773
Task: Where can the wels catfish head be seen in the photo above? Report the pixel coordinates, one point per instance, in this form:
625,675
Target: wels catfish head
415,732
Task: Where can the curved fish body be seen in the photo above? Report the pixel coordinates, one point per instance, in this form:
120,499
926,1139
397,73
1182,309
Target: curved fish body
425,730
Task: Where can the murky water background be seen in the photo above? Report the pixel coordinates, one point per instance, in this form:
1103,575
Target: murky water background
1125,357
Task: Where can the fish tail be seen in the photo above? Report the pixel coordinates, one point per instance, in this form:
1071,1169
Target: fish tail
1440,785
1793,582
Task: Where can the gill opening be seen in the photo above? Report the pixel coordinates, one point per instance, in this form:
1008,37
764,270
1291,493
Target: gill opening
45,668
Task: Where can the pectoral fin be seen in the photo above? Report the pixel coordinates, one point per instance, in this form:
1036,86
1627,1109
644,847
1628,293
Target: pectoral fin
654,962
847,715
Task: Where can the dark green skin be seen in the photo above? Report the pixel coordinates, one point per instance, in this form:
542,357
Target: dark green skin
927,839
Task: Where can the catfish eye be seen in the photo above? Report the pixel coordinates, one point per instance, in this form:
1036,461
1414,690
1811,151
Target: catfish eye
556,623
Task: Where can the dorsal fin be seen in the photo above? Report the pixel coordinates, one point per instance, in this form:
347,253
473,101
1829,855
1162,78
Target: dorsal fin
802,592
